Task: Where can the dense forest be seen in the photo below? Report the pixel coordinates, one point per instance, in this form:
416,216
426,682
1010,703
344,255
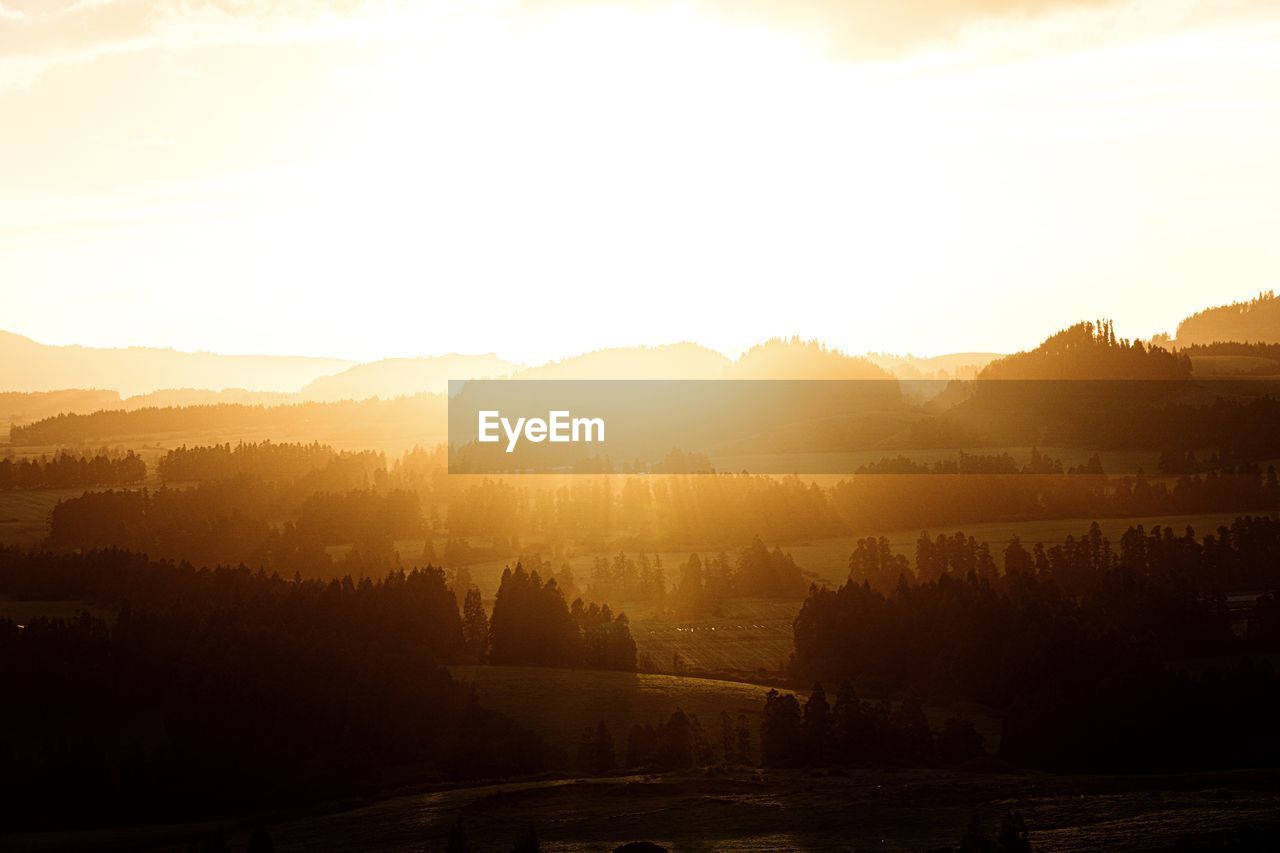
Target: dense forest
373,414
1089,350
280,506
532,626
1073,640
68,470
225,692
1255,321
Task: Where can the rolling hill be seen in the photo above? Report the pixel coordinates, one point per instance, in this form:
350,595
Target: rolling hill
403,377
26,365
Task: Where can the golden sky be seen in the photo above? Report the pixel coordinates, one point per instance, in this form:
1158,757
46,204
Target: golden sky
368,179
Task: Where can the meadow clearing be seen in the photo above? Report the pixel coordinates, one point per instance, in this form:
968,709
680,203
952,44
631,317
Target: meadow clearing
24,515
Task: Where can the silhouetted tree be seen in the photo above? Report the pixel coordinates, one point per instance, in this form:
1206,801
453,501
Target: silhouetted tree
475,625
817,726
781,736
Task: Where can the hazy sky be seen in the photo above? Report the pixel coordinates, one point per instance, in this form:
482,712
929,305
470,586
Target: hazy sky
542,178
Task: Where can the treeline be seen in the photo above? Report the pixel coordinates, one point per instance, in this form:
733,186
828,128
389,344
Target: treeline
1236,417
306,418
1255,320
697,511
68,470
531,625
969,463
283,525
1072,640
220,692
230,522
755,571
857,732
1089,350
815,733
273,462
679,742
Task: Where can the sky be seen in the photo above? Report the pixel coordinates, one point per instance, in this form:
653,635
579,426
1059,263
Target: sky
543,178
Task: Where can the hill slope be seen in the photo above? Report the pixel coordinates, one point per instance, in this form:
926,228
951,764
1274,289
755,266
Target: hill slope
26,365
403,377
1255,321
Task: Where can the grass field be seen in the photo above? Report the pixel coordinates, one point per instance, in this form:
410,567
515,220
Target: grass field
24,515
751,637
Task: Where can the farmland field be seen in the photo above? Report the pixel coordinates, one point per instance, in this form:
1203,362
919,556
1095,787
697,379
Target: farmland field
24,515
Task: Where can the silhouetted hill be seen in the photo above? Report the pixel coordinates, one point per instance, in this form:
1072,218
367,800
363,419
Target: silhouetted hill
958,365
1090,351
26,365
1255,321
671,361
401,422
400,377
780,358
166,397
24,407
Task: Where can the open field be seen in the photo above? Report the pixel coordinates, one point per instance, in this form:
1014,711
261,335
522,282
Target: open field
24,515
750,638
722,810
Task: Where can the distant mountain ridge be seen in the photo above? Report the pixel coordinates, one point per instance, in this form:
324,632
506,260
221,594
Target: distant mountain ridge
402,377
27,365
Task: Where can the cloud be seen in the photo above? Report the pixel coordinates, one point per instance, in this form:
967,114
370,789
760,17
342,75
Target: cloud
37,35
871,28
34,40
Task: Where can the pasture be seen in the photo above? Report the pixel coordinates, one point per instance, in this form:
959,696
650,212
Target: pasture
24,515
